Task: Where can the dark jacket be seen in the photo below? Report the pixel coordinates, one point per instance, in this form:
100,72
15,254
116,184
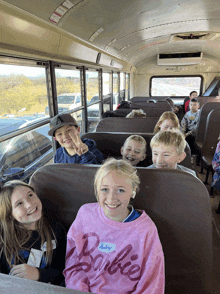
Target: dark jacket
48,273
92,156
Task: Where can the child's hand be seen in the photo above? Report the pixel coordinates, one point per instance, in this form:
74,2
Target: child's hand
79,146
25,271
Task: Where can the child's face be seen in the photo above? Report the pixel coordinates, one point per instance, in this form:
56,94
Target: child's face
167,125
26,206
133,152
114,195
194,106
166,156
193,95
62,135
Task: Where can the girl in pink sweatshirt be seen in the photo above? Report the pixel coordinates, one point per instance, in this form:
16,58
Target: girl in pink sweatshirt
111,247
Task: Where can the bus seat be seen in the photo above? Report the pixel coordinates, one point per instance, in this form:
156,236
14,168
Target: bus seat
187,160
131,125
176,201
205,110
110,145
15,285
122,112
152,109
203,100
140,98
210,142
145,98
151,103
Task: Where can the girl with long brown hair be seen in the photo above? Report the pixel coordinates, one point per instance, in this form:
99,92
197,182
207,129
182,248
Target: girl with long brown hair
30,247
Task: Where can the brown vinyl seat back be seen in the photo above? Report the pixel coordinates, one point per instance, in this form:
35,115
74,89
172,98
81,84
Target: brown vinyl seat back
177,202
212,132
152,109
204,111
152,103
204,100
187,160
127,125
145,98
140,98
110,145
122,112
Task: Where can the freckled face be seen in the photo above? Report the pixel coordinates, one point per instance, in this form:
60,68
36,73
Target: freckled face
26,206
166,156
114,195
133,152
167,125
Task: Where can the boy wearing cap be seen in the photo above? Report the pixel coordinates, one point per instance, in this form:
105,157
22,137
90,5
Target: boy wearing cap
64,129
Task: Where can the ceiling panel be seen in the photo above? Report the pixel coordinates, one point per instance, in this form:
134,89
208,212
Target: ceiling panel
133,29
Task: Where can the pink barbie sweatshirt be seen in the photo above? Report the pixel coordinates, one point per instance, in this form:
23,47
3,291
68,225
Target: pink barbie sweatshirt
109,257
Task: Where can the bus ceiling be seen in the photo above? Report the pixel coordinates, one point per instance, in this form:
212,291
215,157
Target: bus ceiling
118,34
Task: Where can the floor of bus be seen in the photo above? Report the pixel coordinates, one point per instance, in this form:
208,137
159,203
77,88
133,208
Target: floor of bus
216,225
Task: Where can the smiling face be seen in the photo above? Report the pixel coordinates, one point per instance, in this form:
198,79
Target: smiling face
114,195
133,152
167,125
26,206
62,136
166,156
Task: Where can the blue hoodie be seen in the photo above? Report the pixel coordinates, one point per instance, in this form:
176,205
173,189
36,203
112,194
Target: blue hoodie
92,156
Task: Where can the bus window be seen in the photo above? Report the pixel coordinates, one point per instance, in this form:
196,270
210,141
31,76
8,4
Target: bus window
115,90
93,117
106,83
68,89
179,86
92,90
121,81
78,117
127,86
122,86
106,102
23,96
23,154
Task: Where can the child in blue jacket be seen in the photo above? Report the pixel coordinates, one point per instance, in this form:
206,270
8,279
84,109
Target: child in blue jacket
64,129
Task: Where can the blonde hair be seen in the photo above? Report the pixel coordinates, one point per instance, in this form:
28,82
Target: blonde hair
167,115
169,138
136,113
120,166
14,235
139,139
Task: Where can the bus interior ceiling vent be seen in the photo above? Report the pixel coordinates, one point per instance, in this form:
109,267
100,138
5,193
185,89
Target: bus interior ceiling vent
179,58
